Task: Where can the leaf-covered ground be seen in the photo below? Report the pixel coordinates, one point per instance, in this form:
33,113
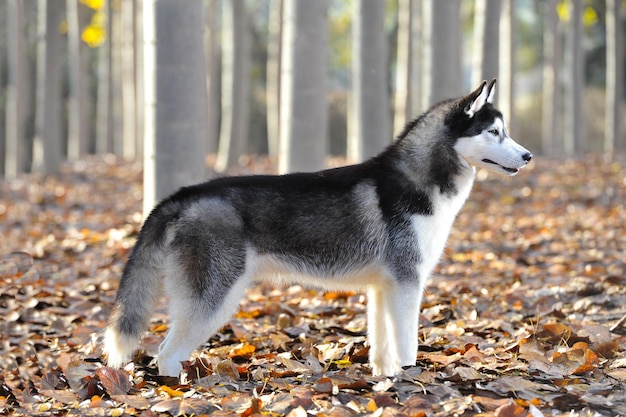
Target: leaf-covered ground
526,316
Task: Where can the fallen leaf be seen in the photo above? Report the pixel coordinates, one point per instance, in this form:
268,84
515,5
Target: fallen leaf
323,386
510,410
115,381
607,350
243,352
174,393
135,401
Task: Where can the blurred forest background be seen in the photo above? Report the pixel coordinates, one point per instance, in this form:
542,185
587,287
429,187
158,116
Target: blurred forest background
187,85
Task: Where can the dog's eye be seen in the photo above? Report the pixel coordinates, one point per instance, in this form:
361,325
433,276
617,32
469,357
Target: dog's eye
494,132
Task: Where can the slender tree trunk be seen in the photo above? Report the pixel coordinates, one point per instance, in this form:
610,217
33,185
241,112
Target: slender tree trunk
47,153
78,102
506,93
104,113
426,7
129,103
404,62
551,140
3,63
613,135
442,24
139,79
150,102
212,75
235,84
370,102
176,99
304,119
273,76
15,162
486,36
574,120
116,98
417,67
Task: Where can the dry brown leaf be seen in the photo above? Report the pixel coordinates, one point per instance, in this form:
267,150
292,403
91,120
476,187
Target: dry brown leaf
512,409
323,386
115,381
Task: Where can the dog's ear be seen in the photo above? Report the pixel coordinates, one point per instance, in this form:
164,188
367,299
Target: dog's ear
477,99
492,91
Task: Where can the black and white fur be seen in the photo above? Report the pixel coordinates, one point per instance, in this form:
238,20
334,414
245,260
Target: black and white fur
379,227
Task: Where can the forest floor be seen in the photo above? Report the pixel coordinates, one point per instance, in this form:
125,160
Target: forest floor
525,316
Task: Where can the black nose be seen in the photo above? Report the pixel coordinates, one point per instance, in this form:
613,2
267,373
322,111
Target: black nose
527,157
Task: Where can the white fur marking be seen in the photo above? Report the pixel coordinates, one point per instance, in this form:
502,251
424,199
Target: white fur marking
119,349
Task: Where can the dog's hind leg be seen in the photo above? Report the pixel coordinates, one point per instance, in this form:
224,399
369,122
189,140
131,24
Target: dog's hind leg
206,278
194,320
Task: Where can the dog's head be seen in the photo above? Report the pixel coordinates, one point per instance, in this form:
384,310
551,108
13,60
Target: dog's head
483,140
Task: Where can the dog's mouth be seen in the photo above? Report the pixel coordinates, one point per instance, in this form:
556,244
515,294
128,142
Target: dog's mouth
507,169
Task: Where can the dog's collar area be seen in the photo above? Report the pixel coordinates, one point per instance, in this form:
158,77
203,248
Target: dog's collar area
511,170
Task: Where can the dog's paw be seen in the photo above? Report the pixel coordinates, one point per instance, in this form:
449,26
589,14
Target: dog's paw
386,368
169,367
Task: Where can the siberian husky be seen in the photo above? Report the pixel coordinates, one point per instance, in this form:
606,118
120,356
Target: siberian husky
379,226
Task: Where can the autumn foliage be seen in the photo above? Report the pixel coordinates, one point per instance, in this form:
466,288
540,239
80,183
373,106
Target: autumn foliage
526,316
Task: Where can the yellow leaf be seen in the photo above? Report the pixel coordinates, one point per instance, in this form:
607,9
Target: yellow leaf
252,314
371,405
563,10
93,36
342,363
94,4
171,392
244,351
43,407
590,17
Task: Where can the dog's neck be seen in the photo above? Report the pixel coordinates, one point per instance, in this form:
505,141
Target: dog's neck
433,166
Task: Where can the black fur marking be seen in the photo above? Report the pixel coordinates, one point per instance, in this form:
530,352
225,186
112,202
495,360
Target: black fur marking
461,125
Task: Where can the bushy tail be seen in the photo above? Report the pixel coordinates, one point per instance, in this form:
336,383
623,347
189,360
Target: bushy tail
139,291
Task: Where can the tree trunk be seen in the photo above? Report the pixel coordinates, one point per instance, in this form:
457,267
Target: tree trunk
139,79
506,93
574,116
78,99
486,36
176,99
613,136
443,73
274,53
3,63
129,103
370,102
15,162
235,84
304,119
417,64
213,66
404,62
551,141
117,117
104,102
47,153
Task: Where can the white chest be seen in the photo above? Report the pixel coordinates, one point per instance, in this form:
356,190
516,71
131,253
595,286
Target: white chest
432,231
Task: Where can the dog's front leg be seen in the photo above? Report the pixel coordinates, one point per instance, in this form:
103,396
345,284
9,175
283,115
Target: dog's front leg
393,316
404,319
